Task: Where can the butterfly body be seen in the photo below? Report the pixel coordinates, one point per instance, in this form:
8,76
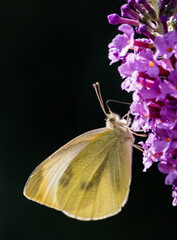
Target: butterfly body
89,177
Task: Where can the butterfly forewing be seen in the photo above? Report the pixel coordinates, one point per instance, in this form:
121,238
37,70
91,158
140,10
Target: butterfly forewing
43,182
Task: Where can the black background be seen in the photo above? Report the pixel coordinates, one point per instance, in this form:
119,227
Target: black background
51,54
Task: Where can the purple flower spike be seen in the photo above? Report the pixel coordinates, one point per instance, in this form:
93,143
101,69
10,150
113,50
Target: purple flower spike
149,68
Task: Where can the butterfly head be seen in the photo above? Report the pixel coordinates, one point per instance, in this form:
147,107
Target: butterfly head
113,121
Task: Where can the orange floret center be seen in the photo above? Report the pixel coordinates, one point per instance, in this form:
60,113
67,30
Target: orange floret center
170,49
151,64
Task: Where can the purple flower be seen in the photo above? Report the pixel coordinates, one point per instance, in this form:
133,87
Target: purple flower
127,69
141,62
164,167
167,88
141,113
113,54
172,77
120,45
145,63
174,195
148,157
113,19
166,44
131,83
171,177
150,89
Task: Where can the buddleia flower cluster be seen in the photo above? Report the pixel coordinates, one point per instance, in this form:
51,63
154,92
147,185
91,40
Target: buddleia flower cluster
146,46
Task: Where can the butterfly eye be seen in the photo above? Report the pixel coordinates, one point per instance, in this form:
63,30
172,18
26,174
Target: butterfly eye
112,119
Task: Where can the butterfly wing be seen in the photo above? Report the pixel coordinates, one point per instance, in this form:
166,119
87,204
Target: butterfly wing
87,179
43,182
96,183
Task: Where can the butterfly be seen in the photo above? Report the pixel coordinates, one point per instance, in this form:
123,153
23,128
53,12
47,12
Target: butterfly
89,177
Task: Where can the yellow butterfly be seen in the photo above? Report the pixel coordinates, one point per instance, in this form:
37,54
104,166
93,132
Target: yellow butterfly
89,177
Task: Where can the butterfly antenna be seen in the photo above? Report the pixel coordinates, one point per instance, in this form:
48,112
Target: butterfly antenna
98,93
110,100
